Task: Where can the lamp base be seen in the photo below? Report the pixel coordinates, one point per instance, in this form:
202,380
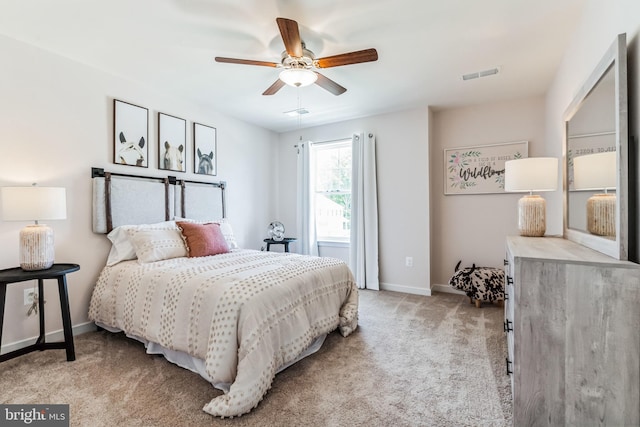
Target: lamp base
601,214
532,216
36,247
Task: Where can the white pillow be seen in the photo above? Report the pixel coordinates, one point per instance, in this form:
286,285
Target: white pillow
121,247
225,228
227,232
157,245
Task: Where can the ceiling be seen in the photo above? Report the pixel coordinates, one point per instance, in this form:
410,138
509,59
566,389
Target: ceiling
424,48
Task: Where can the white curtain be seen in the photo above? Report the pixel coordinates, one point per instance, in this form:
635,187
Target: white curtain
307,242
363,253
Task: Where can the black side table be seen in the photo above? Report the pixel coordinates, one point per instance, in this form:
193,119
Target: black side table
57,271
284,242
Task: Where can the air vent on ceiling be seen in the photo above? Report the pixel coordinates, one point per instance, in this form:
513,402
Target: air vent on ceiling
297,112
479,74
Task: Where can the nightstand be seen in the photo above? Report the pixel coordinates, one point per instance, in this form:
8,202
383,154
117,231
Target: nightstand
284,242
59,272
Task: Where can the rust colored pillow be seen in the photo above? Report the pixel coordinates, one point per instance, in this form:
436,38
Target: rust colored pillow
203,239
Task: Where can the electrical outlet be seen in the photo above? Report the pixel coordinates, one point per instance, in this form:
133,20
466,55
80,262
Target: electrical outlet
30,296
408,261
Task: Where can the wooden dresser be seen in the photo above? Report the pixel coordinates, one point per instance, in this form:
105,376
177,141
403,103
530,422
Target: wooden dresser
572,317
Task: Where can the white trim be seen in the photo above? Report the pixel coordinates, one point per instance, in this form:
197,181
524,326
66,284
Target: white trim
332,244
332,141
405,289
53,336
446,289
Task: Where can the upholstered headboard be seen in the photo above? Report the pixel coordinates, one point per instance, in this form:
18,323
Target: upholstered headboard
122,199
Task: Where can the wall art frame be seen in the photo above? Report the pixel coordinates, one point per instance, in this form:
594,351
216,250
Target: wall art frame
172,143
205,155
130,134
479,169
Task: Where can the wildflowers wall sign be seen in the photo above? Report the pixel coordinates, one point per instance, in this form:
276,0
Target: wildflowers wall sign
479,169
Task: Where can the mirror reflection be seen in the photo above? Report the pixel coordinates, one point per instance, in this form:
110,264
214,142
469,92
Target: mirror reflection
596,211
591,161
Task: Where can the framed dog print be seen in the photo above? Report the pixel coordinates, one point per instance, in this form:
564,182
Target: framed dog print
204,142
172,143
130,134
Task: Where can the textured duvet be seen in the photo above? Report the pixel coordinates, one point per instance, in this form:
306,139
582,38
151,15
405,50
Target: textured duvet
245,313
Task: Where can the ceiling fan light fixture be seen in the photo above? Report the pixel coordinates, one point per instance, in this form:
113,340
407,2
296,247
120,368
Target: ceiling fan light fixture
298,64
298,77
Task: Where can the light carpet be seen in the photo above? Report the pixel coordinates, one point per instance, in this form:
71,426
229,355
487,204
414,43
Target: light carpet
414,361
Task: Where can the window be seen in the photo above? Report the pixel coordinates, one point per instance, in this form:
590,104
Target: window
331,175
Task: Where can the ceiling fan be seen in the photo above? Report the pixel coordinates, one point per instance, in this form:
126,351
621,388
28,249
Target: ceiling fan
299,63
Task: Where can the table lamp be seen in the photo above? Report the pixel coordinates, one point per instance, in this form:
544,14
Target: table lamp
598,172
531,174
34,203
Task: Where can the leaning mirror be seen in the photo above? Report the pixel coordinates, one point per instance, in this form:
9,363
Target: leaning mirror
596,160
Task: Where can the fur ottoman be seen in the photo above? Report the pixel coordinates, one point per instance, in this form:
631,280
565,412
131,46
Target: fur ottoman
479,283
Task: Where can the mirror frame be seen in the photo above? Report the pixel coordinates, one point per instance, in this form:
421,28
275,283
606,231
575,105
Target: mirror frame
616,58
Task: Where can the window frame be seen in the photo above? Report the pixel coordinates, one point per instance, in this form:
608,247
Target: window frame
329,145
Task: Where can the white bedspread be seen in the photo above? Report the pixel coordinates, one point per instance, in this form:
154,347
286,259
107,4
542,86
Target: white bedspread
244,313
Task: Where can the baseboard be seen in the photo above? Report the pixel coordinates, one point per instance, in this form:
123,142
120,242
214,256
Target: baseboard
49,337
405,289
447,289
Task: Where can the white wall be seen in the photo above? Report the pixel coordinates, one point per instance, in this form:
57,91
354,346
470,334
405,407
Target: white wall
602,21
472,228
56,123
403,190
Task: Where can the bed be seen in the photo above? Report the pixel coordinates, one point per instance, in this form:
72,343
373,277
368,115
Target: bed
237,317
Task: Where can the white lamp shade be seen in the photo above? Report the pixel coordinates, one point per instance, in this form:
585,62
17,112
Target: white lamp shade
595,171
298,77
33,203
531,174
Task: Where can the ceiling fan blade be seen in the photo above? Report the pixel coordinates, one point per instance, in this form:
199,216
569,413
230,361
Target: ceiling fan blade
367,55
328,84
246,62
276,86
290,36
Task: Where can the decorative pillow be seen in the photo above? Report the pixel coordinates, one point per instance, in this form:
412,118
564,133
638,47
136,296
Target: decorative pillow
157,245
227,232
225,227
203,239
121,247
